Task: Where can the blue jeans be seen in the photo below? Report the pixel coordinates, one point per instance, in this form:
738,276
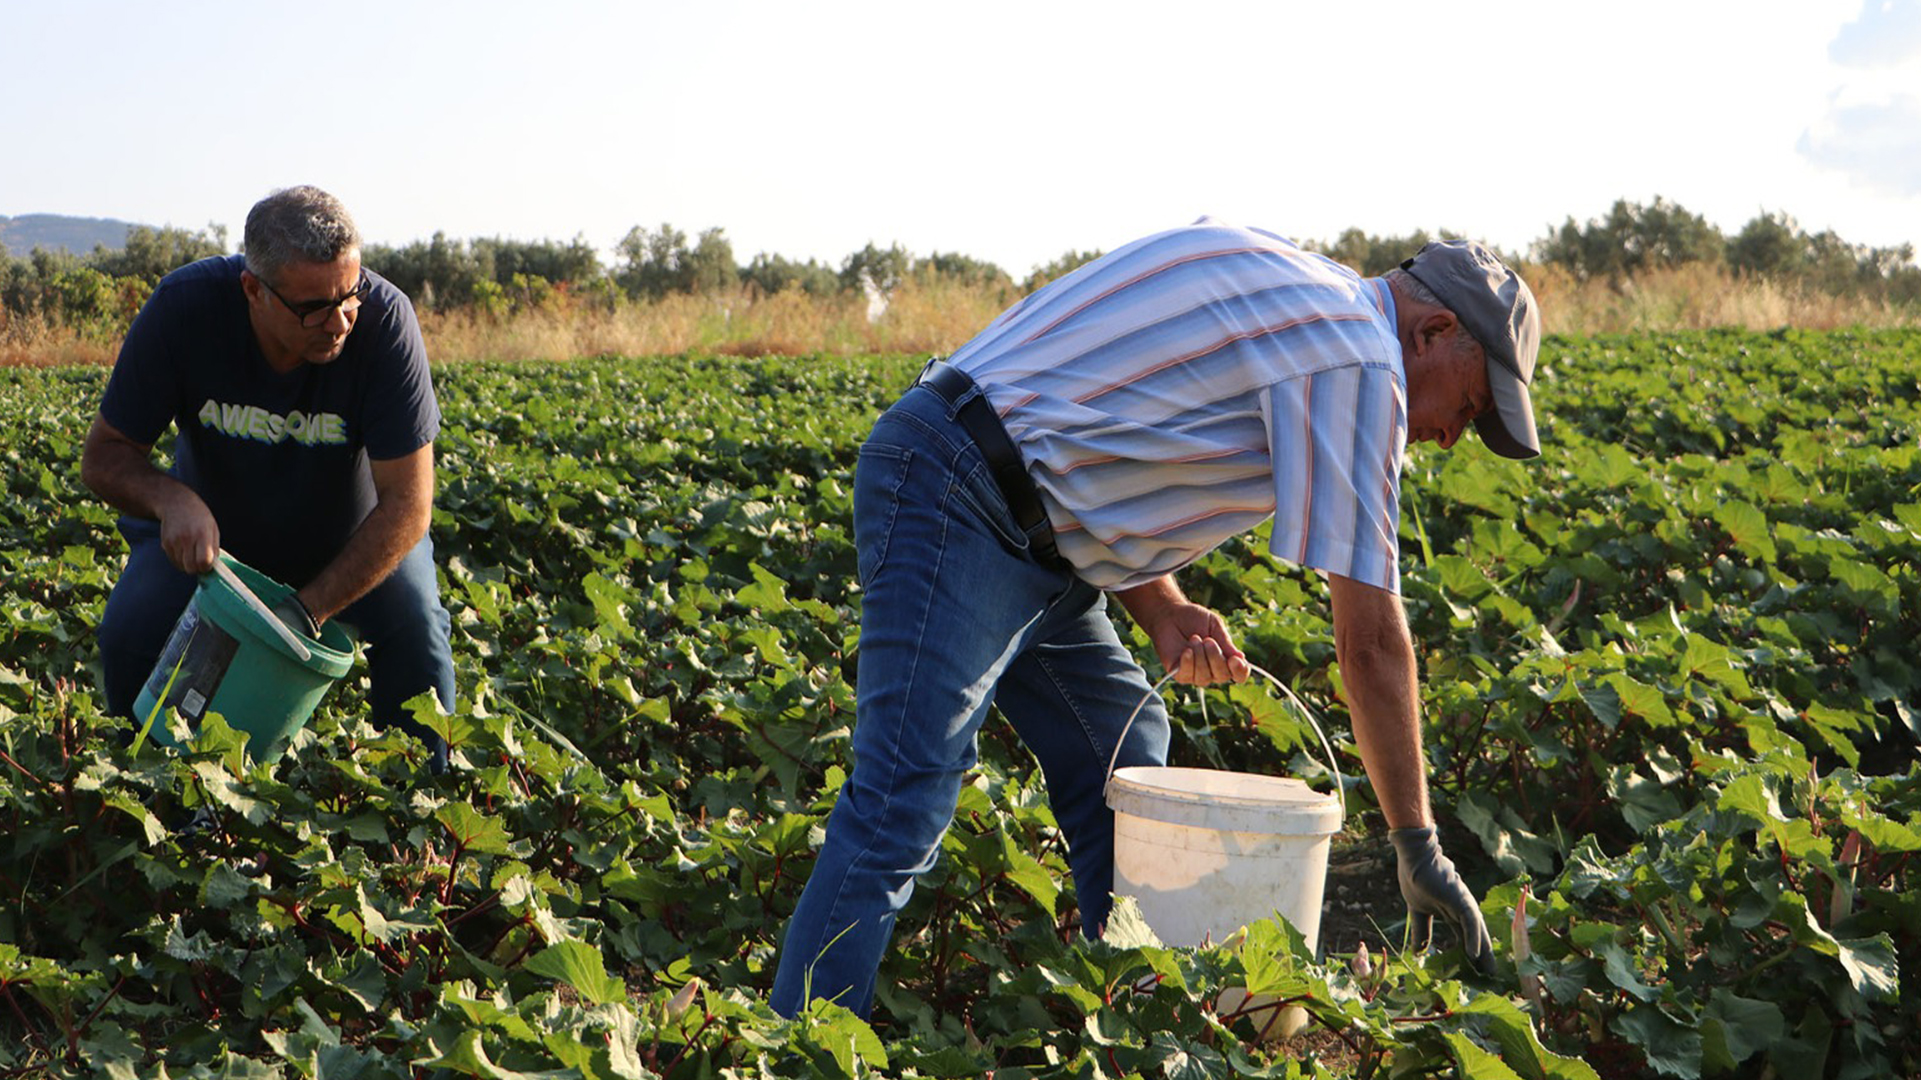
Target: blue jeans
401,621
956,615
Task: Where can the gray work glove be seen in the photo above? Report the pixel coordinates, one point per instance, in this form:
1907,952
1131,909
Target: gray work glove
1431,887
295,614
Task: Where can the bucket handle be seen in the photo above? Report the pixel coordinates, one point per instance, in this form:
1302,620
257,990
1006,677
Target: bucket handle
259,608
1340,787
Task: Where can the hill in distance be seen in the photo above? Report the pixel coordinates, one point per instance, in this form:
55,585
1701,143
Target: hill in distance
79,235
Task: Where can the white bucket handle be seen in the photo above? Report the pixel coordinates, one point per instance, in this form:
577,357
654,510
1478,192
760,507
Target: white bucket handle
1340,787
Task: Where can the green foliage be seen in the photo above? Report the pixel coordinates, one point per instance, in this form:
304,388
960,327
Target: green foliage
1774,246
1066,264
151,254
1632,238
876,269
1670,712
773,274
961,269
653,264
441,272
1376,255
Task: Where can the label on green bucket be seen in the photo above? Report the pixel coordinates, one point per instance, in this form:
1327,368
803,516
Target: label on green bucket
203,652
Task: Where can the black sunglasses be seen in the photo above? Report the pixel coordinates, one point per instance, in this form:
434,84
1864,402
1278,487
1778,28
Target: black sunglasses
316,313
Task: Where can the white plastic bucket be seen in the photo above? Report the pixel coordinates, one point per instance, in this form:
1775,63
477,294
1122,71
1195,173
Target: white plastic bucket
1207,851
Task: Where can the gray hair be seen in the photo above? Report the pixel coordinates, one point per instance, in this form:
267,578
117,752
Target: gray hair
1410,286
296,224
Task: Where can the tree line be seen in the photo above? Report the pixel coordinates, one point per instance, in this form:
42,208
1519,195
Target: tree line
97,294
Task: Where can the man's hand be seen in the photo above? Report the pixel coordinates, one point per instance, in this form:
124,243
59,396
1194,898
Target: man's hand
188,533
295,614
1431,887
120,470
1192,642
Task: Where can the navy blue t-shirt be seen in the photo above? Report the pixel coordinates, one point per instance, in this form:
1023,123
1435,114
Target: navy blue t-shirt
281,460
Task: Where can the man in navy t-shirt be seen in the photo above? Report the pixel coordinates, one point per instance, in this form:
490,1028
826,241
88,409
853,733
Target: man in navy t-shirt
297,383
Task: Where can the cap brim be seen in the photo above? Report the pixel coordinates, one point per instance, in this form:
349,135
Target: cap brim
1508,427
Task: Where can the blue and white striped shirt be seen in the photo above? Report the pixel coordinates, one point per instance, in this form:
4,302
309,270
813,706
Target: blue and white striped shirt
1186,387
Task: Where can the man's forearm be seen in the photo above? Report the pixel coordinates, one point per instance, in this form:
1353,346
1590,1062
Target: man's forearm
123,474
1146,602
1378,674
371,553
1384,701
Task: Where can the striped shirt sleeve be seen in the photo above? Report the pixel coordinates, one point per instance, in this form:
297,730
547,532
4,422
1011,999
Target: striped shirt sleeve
1336,437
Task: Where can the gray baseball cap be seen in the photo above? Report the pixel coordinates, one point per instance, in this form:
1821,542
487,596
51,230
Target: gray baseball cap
1497,308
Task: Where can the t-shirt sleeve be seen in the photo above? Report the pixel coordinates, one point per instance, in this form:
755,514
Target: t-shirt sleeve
1336,437
402,412
143,393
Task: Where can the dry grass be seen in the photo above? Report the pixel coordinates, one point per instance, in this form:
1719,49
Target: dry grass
929,318
31,341
938,317
1699,297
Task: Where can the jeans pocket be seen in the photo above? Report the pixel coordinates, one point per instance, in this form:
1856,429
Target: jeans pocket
878,477
979,490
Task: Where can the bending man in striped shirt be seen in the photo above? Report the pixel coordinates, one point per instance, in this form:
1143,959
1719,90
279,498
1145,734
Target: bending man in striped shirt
1099,435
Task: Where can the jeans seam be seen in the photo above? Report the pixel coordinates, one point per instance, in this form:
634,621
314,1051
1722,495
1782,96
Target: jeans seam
1074,706
891,788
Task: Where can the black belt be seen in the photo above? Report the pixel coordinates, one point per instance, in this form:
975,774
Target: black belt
1003,461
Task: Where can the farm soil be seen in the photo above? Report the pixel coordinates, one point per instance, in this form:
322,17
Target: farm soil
1363,899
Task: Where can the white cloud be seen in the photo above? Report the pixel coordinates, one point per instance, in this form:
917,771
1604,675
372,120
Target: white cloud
1872,130
1877,144
1886,32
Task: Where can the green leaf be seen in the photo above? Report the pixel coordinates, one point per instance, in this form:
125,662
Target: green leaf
1623,973
226,791
844,1036
1735,1028
1872,966
224,887
468,1057
1508,1026
1476,1063
1645,803
768,593
1027,873
1512,847
1181,1059
1749,528
472,830
579,965
1127,927
1671,1048
1752,795
1715,662
1640,699
610,605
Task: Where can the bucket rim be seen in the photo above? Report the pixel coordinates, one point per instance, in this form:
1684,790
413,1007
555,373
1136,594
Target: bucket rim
331,653
1297,809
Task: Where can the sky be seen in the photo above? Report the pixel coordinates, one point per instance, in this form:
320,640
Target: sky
1011,132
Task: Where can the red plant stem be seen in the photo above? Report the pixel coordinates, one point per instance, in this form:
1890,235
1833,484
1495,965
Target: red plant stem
6,991
502,936
111,994
491,902
453,863
22,770
688,1045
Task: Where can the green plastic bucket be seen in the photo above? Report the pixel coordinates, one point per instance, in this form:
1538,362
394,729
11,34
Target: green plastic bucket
222,658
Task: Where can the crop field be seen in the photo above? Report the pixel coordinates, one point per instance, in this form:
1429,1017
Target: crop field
1669,680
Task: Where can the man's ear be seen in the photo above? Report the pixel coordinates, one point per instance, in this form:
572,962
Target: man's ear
1433,329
